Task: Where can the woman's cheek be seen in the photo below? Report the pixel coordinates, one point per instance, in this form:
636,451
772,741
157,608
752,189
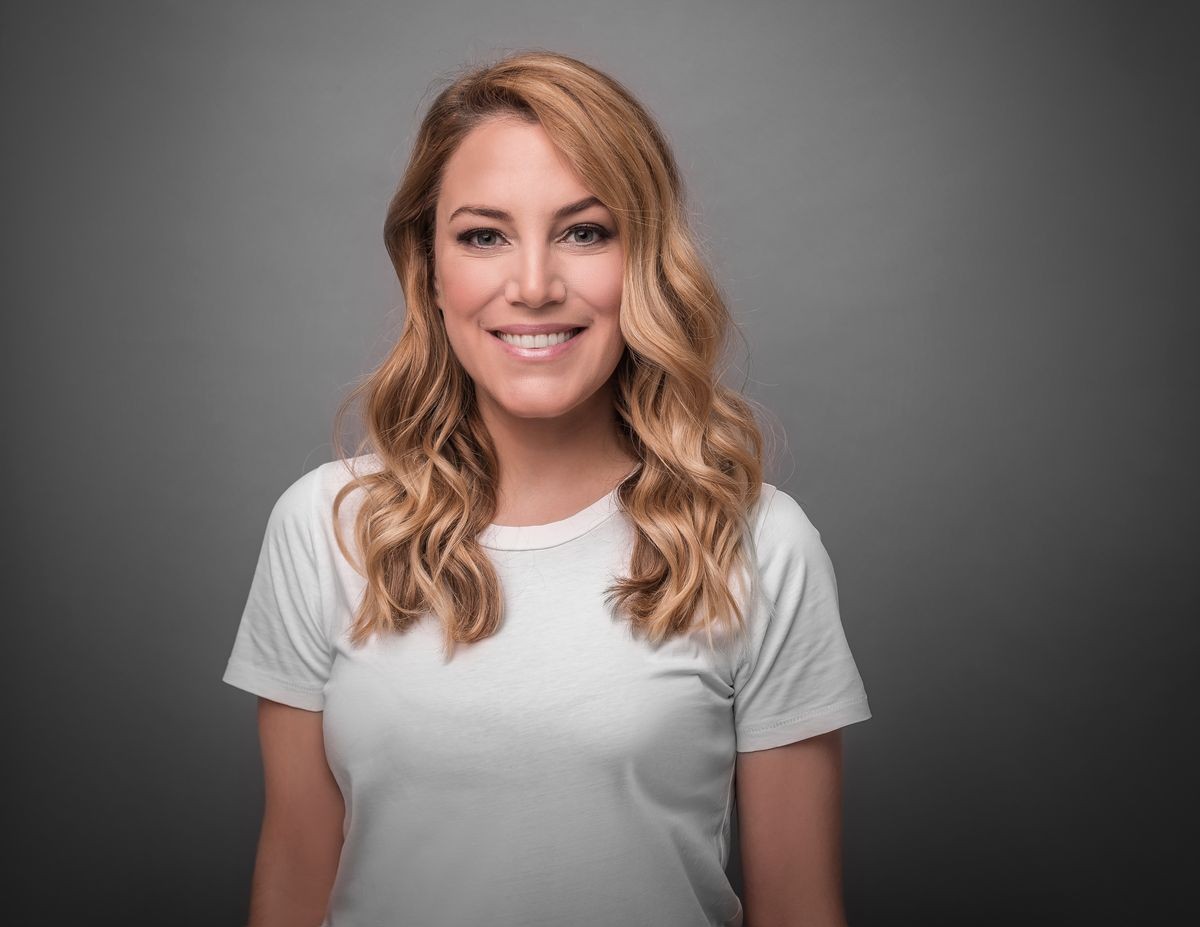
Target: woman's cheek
465,287
601,284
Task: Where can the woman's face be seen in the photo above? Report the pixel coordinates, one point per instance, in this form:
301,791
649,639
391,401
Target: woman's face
517,247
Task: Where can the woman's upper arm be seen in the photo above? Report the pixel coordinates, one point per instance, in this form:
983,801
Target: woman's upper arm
789,831
299,784
301,842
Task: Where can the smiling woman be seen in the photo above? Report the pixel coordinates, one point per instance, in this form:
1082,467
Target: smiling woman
529,642
532,277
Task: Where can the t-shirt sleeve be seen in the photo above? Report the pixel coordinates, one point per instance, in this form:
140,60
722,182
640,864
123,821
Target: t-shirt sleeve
282,649
797,677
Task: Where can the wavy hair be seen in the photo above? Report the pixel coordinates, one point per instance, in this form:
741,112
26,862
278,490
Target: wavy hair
432,485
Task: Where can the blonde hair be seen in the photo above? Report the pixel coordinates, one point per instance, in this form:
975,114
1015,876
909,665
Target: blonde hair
698,444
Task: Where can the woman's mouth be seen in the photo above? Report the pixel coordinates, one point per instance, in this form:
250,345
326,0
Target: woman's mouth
538,347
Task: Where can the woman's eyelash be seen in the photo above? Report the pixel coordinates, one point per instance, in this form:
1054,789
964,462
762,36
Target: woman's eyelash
602,234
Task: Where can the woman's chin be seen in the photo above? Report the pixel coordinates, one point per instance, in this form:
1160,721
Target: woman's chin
537,410
549,405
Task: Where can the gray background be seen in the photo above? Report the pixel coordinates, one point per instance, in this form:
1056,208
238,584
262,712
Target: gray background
957,238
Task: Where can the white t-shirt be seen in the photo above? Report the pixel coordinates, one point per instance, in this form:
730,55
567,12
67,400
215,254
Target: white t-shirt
561,771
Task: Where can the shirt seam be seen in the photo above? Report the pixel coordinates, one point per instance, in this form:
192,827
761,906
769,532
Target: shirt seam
755,587
803,716
278,680
316,496
583,533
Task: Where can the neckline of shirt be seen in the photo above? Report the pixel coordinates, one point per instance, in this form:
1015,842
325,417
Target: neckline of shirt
533,537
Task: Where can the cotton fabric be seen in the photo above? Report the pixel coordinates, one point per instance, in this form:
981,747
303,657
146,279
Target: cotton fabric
561,771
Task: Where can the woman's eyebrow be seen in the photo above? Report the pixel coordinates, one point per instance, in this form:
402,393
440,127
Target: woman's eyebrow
490,212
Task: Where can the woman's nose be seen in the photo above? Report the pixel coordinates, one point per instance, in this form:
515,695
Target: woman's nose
536,280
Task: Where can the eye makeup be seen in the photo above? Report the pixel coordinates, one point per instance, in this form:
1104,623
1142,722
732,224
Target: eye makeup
602,235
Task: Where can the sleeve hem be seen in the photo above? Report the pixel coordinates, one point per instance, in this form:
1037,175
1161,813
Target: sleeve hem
251,679
802,726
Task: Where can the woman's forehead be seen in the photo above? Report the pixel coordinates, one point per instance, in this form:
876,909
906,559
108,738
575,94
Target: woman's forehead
512,167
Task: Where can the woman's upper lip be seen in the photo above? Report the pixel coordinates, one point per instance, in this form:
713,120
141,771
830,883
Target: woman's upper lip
545,328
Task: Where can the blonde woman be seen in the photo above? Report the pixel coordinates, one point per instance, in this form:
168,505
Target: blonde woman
521,652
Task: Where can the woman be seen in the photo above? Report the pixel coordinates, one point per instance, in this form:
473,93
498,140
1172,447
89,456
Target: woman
553,478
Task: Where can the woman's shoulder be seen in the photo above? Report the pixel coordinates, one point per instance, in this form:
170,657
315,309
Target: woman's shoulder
309,497
781,523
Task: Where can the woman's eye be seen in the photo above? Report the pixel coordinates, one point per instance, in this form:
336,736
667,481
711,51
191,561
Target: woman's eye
595,230
471,237
486,239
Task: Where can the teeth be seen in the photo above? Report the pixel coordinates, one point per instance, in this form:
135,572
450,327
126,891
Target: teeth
537,341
